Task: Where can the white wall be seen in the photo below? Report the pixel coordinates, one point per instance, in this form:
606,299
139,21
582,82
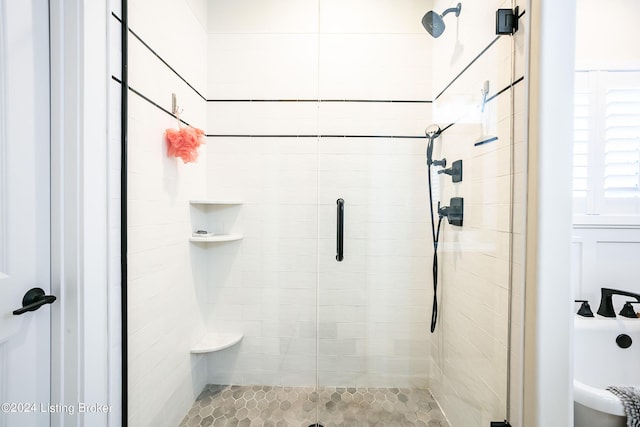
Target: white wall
548,371
482,262
164,379
604,257
605,246
373,307
603,33
114,194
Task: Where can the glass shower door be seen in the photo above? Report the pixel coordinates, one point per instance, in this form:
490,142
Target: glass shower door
306,107
373,327
382,81
374,303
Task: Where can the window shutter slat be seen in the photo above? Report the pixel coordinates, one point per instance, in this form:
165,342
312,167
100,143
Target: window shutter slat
622,143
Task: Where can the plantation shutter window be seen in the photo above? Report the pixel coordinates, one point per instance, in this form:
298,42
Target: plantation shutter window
606,170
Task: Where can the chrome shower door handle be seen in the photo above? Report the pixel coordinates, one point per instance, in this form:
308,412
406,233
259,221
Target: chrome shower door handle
340,230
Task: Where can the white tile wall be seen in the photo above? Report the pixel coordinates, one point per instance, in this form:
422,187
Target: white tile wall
470,347
200,9
262,118
372,307
265,285
375,66
154,80
266,16
162,296
172,29
262,65
372,303
368,118
373,17
464,38
164,319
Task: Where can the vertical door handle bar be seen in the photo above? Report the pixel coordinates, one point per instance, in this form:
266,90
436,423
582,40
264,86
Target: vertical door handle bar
340,230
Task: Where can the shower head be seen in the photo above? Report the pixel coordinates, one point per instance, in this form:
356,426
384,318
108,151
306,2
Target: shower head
432,131
434,24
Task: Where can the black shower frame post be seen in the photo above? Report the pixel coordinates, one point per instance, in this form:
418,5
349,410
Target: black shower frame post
124,92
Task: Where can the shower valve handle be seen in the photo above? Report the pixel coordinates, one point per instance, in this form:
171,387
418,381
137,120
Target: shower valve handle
455,171
454,212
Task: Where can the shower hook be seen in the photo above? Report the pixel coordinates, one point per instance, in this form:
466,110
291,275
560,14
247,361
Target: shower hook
175,110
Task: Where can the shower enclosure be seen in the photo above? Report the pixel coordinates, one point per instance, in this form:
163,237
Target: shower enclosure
314,113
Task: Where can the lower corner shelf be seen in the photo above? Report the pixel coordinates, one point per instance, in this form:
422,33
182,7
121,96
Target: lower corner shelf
216,342
216,238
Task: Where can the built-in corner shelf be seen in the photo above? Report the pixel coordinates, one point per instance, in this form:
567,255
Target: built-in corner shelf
216,202
216,342
216,238
216,217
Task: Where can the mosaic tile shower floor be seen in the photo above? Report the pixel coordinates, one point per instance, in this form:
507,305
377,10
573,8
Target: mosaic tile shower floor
275,406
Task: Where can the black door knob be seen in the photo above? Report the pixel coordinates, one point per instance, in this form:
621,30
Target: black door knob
33,300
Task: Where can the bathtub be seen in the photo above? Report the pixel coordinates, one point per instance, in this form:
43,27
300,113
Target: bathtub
599,362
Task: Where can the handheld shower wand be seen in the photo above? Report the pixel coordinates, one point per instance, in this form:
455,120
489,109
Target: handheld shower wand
432,132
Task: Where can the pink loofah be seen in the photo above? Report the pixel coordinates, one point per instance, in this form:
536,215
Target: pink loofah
184,143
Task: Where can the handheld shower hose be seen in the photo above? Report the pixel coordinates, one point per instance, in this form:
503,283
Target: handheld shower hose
432,132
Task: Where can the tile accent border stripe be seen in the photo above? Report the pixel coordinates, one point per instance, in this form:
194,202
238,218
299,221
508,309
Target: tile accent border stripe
467,67
395,101
161,108
520,79
162,60
315,100
311,100
313,136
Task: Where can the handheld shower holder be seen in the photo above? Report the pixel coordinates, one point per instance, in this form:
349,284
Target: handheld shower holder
442,163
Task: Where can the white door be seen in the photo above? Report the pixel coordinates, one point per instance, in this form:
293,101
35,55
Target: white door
24,212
